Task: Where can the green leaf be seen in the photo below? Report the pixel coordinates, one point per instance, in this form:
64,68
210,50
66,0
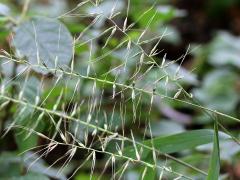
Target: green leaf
24,143
31,176
214,168
31,89
26,116
45,41
84,176
10,166
150,173
155,16
218,92
175,143
4,10
164,128
224,50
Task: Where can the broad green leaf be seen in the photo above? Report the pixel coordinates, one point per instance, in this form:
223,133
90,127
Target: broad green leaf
12,167
26,117
53,8
150,77
196,159
103,9
45,41
24,143
155,16
175,143
147,172
4,10
226,152
225,50
218,92
40,167
214,167
31,176
165,127
31,89
26,140
9,165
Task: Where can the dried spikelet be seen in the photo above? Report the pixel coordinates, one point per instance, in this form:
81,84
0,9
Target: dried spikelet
125,25
161,174
154,49
124,169
105,168
119,150
94,132
110,36
190,95
93,163
152,142
177,93
82,3
88,27
67,112
37,100
129,44
140,37
2,89
114,91
4,104
40,117
113,166
144,173
74,110
135,147
77,169
177,178
164,60
133,94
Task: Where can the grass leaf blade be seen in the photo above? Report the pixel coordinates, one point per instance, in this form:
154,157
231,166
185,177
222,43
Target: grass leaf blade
214,168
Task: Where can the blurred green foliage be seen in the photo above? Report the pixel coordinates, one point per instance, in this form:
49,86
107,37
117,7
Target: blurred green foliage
210,73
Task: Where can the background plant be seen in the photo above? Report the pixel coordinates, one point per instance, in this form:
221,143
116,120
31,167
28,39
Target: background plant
88,91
